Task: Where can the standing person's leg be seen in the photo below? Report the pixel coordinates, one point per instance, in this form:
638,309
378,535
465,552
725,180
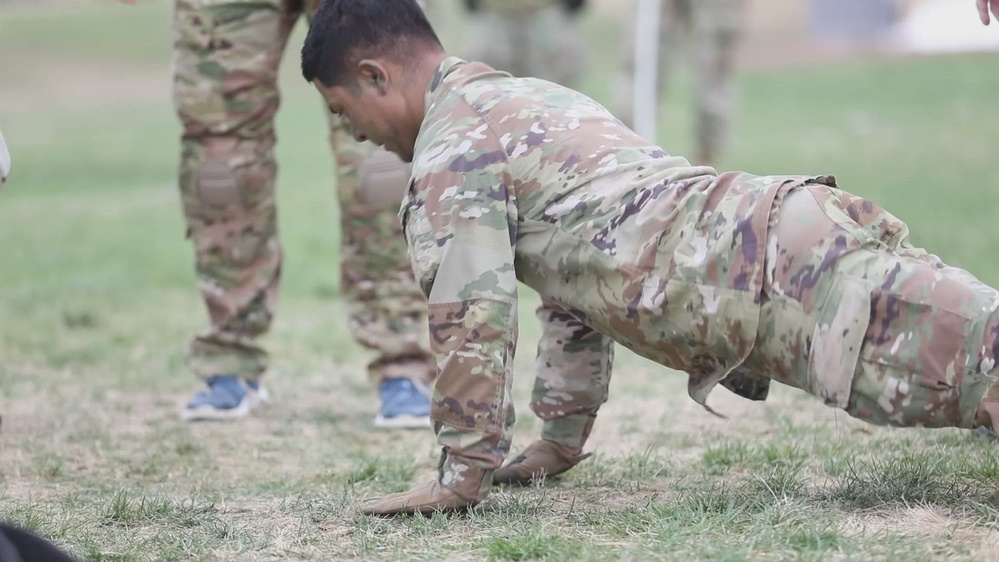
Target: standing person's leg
671,36
226,57
491,39
386,308
717,26
552,46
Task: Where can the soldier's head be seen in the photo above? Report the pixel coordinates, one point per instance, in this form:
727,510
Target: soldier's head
372,60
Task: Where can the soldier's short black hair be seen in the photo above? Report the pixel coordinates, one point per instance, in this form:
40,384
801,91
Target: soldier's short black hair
342,29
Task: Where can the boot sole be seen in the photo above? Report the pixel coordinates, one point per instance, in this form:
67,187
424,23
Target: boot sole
528,481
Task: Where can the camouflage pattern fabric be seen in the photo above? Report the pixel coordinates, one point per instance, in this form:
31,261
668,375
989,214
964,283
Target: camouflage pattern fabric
572,376
856,315
226,57
536,38
519,180
708,31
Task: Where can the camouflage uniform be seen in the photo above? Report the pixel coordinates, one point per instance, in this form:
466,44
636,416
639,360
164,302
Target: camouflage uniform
712,30
537,38
782,277
227,54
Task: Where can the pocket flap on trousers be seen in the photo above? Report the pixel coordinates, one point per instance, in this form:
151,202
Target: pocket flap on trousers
837,338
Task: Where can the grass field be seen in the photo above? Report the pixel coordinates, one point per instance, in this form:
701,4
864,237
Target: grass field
97,300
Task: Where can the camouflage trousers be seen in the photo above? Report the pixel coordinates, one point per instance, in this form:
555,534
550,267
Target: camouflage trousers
226,57
537,41
572,377
856,315
709,32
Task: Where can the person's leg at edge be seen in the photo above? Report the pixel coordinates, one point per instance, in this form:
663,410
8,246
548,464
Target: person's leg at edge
226,95
717,34
386,308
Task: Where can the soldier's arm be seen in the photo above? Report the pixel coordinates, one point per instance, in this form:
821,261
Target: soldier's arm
461,225
572,376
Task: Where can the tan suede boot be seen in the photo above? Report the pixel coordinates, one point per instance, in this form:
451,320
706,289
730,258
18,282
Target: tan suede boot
541,459
457,488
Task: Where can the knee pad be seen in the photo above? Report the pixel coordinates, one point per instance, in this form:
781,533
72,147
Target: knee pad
217,186
383,179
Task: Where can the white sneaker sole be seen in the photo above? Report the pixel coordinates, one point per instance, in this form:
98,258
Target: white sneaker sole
254,399
205,413
403,422
257,398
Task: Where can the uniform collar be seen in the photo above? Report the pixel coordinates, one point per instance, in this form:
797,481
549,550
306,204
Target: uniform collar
445,74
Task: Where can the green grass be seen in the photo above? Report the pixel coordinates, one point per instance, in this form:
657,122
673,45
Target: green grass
88,28
97,300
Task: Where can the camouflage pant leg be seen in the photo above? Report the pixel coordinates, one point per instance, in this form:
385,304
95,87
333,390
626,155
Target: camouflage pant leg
386,308
543,43
892,337
674,34
623,83
708,31
717,28
572,376
226,56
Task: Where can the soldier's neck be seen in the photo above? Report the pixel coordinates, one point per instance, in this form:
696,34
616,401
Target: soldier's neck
420,73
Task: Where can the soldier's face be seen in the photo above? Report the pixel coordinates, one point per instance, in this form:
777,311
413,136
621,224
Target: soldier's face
374,108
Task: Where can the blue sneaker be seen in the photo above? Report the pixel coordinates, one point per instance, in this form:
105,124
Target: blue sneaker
403,404
225,398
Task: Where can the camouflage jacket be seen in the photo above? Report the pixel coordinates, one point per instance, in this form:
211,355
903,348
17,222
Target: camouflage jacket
520,179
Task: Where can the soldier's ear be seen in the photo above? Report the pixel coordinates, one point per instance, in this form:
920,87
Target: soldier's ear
373,73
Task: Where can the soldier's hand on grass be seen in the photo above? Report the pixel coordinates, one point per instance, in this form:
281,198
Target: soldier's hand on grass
132,2
983,10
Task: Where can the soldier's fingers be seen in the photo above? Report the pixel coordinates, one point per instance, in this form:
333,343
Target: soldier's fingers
995,9
4,160
983,10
